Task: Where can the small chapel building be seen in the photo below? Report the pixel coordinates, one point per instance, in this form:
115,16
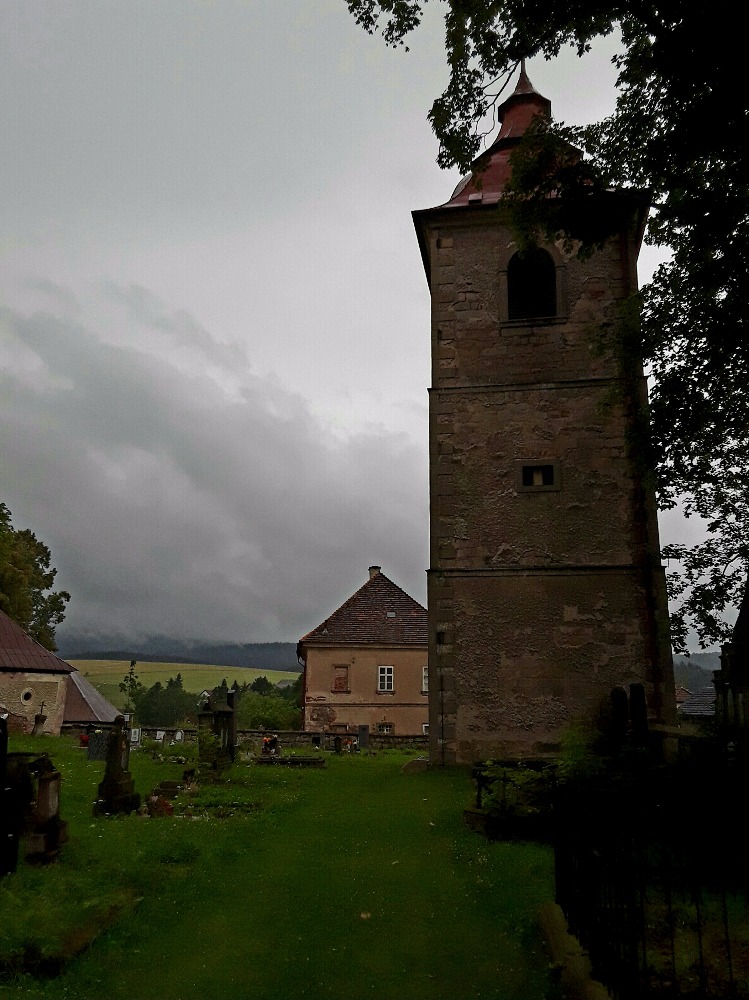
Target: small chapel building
38,687
545,586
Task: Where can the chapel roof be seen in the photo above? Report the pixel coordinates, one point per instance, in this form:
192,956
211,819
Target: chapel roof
18,651
83,703
379,613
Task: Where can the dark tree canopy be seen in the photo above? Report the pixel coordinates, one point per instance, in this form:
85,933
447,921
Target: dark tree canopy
677,134
26,579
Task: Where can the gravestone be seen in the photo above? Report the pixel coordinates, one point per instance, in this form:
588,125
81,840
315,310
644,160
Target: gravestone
363,737
117,790
39,720
29,806
135,736
216,736
97,744
46,831
638,712
8,826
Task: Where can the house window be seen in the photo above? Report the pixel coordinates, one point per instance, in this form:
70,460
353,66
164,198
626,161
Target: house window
340,678
385,679
425,679
531,286
384,727
425,729
543,474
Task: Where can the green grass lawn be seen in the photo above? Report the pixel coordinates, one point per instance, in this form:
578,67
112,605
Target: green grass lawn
106,675
356,880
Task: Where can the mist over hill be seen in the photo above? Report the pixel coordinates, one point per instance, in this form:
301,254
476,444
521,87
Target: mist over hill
167,649
696,671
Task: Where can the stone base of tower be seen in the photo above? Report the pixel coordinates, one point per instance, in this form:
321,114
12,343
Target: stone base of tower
519,655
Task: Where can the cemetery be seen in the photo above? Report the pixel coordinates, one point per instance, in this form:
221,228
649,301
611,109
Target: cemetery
633,833
331,859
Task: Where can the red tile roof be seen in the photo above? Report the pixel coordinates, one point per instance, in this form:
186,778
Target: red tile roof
379,613
492,169
83,703
19,651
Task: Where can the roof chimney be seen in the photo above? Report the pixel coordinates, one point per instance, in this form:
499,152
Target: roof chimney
373,571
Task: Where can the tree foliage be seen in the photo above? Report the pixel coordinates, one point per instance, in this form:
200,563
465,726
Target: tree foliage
677,134
167,705
26,579
158,705
132,688
266,706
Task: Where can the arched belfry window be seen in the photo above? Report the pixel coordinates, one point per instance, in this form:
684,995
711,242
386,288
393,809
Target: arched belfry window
531,286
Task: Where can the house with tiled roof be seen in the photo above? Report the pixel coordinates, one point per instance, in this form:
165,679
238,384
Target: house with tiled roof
366,664
34,682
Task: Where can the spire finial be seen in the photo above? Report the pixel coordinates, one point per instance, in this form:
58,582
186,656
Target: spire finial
524,85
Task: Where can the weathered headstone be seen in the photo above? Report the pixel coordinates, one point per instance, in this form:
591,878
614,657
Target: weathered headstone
46,831
135,736
117,790
39,720
8,826
231,704
638,711
97,744
216,736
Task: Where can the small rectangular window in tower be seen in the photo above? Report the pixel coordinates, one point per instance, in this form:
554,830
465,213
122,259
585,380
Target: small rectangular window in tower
538,475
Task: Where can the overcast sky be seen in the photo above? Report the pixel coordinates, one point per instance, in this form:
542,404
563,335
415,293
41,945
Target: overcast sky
214,337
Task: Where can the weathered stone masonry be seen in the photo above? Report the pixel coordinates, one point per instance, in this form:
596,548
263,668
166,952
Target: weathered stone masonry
541,599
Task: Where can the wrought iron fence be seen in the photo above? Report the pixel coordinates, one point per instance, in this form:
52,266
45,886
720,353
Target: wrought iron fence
652,873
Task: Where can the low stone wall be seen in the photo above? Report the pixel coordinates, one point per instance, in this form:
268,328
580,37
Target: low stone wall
292,739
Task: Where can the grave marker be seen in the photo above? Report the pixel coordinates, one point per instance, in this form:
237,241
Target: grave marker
8,828
117,790
97,745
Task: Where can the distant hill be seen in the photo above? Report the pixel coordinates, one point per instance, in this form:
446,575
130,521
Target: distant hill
163,649
695,672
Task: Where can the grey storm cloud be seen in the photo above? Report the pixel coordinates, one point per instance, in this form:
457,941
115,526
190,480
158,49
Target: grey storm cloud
214,349
207,505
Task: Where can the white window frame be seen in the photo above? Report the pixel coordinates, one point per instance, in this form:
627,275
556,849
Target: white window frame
385,680
425,729
385,728
425,680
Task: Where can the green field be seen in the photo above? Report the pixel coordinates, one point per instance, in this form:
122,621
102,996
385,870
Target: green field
356,880
106,675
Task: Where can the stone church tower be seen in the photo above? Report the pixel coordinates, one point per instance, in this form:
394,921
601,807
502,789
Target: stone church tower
545,587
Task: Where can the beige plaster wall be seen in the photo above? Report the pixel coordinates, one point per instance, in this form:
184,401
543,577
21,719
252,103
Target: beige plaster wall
328,706
22,694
